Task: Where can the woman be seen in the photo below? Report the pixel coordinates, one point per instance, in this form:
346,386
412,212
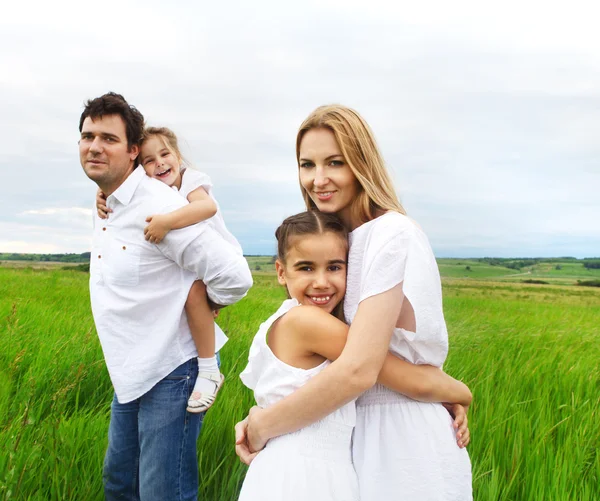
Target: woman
402,449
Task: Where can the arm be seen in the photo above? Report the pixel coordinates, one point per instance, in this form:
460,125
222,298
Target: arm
312,330
355,371
200,208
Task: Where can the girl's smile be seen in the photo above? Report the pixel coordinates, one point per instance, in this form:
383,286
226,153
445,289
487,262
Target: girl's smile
314,271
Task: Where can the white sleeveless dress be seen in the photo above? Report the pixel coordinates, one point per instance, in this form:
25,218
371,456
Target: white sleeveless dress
403,449
312,464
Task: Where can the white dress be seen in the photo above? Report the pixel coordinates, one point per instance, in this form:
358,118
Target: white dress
404,449
192,179
312,464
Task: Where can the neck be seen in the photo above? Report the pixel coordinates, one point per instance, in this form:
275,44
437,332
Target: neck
111,187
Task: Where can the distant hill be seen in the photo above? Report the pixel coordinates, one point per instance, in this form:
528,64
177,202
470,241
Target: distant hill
57,258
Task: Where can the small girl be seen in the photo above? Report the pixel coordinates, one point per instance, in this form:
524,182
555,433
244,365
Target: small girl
295,344
162,160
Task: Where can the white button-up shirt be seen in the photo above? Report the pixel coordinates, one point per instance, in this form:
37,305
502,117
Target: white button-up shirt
138,290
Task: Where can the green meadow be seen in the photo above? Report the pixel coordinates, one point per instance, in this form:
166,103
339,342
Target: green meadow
529,352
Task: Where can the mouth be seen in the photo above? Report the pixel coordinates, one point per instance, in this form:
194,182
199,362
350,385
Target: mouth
324,195
320,300
162,174
95,161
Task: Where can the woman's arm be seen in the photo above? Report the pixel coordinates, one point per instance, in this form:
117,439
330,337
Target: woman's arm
313,330
200,208
355,371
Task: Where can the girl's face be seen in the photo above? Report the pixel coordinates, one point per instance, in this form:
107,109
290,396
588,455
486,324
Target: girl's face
160,162
326,176
314,271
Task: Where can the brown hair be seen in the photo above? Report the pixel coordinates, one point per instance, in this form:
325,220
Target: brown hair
115,104
358,146
309,223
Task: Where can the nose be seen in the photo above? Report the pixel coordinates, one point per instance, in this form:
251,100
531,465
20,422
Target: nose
96,146
321,280
321,178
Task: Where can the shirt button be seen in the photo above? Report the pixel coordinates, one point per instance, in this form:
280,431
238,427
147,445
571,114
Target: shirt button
124,247
103,229
99,256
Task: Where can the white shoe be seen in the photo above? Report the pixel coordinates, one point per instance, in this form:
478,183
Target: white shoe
202,401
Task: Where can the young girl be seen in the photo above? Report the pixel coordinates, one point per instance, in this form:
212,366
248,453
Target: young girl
402,448
294,345
161,159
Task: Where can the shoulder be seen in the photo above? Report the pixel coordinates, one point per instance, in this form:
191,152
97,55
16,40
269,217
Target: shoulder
305,320
391,226
159,197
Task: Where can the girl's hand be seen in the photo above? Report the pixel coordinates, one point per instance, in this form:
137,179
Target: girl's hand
157,229
242,449
101,207
253,437
460,423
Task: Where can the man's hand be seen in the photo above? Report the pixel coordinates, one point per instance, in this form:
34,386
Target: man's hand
460,423
101,207
157,229
247,441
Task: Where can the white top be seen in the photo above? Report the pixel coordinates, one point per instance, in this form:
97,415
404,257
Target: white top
272,379
389,250
313,463
191,180
138,289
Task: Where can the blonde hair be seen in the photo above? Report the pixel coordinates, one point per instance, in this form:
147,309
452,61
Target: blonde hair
358,146
169,139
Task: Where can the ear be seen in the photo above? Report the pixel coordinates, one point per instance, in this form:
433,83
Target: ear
280,272
134,152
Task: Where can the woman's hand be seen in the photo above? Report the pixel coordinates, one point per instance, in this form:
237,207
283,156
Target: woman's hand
101,207
247,442
157,229
460,423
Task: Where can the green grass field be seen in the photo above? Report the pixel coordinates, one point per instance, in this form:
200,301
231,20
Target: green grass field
529,353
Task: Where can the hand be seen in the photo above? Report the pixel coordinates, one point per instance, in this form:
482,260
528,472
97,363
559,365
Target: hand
101,207
242,449
255,441
460,423
157,229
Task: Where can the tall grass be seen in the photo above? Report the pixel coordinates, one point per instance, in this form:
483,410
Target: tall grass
529,353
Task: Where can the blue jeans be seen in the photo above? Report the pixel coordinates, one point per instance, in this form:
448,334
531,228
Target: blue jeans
152,443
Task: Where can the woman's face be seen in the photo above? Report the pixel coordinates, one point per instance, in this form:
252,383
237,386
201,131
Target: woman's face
325,175
314,271
160,162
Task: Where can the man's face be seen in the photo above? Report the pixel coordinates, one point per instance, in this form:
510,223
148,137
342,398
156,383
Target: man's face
103,152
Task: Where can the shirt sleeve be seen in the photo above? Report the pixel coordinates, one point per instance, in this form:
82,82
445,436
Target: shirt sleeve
201,250
384,264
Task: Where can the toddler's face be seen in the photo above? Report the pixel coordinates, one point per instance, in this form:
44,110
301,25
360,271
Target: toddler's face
160,162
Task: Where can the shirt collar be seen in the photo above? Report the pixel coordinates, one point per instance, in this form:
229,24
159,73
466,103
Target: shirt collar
125,192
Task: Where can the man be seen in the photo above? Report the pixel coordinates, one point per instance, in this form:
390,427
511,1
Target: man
138,291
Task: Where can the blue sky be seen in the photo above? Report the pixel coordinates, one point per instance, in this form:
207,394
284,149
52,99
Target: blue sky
488,116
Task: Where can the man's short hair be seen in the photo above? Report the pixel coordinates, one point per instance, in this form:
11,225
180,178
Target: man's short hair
115,104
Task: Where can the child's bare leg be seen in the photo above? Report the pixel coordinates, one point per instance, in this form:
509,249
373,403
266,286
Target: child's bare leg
202,327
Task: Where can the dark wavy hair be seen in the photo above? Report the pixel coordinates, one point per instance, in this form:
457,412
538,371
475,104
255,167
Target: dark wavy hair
115,104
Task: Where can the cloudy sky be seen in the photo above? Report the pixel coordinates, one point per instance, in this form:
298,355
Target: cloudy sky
487,116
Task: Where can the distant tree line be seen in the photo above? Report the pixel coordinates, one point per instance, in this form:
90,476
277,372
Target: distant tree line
590,265
59,258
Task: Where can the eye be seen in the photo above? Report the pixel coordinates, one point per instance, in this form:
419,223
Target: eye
306,165
336,267
166,154
305,268
336,163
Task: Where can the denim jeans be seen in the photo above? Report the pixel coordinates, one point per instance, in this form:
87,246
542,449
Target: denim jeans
151,452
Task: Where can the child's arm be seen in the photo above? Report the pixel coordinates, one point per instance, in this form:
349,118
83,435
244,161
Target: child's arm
314,331
200,208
